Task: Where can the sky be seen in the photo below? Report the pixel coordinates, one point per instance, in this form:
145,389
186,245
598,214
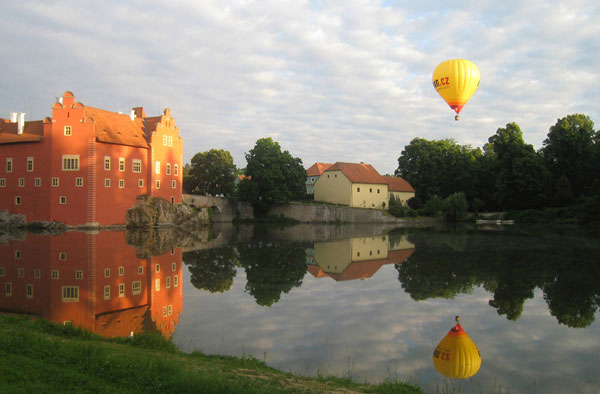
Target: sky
328,80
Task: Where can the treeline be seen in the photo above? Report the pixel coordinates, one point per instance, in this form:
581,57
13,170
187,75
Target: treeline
509,174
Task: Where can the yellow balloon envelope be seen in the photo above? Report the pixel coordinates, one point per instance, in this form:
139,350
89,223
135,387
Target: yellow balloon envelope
456,80
457,356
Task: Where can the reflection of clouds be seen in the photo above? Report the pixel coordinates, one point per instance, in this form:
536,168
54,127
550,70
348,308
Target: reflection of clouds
372,330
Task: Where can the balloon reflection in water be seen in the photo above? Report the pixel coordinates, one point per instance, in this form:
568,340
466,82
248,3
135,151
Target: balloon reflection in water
457,356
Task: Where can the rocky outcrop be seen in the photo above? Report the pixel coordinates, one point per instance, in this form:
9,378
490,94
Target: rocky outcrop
10,221
156,241
158,212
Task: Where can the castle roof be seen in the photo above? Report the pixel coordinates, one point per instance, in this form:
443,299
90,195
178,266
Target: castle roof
358,173
398,184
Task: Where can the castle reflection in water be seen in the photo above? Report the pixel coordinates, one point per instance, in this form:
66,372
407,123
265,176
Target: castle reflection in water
356,258
95,281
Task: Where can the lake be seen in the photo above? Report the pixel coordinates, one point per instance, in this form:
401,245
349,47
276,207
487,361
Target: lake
365,302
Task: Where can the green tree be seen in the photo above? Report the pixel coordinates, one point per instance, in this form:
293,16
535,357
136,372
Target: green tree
273,176
569,150
212,173
456,207
520,172
212,269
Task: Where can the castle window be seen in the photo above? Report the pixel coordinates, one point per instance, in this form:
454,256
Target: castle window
121,164
2,182
157,167
37,274
107,163
21,182
157,284
70,293
170,141
136,287
157,267
164,311
121,183
165,141
121,271
62,256
168,168
107,292
21,272
17,254
176,169
9,164
168,282
170,309
121,289
175,280
55,182
78,274
62,200
136,165
158,184
140,270
107,272
8,289
37,182
30,164
106,182
2,271
54,274
17,200
173,267
68,131
358,189
174,184
29,290
140,183
79,182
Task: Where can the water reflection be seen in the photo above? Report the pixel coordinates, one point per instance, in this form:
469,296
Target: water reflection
357,258
95,281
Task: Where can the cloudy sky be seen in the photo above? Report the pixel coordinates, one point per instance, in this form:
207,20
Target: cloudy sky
329,80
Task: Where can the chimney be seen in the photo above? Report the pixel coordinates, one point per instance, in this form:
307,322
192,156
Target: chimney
13,117
21,123
132,114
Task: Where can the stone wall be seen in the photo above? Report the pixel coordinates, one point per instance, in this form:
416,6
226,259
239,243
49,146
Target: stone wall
223,209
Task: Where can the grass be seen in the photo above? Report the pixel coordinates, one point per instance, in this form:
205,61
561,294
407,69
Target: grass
37,356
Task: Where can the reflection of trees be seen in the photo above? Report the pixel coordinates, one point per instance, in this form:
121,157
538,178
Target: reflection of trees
510,267
212,269
272,268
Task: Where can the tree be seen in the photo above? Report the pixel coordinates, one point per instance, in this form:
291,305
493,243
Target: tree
212,173
456,206
273,176
212,269
569,150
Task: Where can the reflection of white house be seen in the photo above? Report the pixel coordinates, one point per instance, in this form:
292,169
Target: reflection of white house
399,189
352,184
357,258
312,174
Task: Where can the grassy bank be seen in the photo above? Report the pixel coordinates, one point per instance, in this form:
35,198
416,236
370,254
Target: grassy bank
40,357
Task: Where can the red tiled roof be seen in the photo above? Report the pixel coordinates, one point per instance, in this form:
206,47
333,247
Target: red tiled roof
358,173
32,132
115,128
398,184
317,169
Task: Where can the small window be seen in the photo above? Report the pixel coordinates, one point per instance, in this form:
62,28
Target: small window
30,164
168,282
157,284
21,272
157,167
62,256
173,267
2,182
9,164
170,140
8,289
335,175
140,270
377,191
121,183
370,190
157,267
121,271
107,272
176,169
165,140
62,200
37,273
175,280
106,182
70,293
68,131
164,311
107,292
140,183
70,162
358,189
174,184
107,163
157,184
2,271
168,169
136,287
357,254
55,182
121,164
54,274
312,179
121,289
78,274
37,182
21,182
17,254
17,200
136,165
29,290
79,182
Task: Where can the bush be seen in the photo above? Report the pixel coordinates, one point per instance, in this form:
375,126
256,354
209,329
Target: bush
415,203
434,207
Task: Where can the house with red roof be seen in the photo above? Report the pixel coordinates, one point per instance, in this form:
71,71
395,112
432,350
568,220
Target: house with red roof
400,189
312,174
85,166
352,184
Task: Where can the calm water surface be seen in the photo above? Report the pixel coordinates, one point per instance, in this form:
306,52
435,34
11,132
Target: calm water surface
361,302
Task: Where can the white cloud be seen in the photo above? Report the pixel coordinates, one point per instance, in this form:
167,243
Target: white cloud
329,82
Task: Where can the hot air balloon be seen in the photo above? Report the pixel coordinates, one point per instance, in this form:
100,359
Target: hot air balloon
457,356
456,80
